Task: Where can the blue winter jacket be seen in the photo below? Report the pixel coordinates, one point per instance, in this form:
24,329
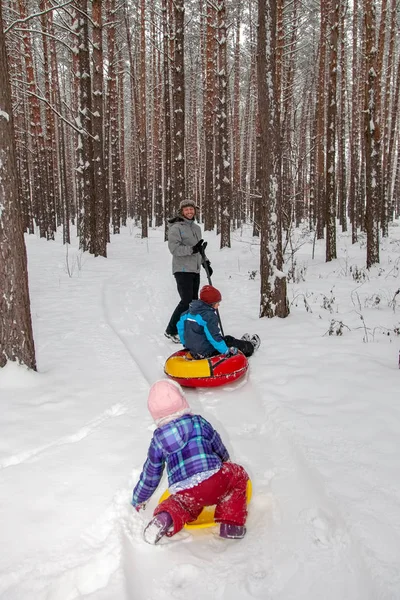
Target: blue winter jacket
199,332
192,450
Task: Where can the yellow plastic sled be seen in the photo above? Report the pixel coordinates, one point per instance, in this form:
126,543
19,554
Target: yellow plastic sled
206,517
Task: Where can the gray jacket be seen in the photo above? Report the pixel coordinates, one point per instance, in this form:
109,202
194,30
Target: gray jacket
182,235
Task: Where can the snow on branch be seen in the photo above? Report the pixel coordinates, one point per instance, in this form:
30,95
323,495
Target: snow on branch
42,12
77,129
36,31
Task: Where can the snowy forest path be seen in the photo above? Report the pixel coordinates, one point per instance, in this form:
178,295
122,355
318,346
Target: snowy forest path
290,510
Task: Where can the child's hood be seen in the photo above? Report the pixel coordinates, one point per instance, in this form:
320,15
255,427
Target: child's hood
175,435
198,307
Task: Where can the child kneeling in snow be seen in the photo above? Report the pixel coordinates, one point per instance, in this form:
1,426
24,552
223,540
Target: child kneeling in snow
198,468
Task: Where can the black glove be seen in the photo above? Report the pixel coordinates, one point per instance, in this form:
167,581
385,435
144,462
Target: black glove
199,247
208,268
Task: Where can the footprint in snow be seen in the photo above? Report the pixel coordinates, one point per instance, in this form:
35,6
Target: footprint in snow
256,579
323,527
181,582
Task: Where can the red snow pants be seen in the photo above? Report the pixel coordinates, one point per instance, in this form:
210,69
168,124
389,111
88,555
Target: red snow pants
226,489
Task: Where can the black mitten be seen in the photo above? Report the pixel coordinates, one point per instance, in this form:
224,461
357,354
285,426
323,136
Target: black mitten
198,247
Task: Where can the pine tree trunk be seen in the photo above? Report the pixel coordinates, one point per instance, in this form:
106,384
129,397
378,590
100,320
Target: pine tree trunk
321,125
372,138
273,281
224,165
38,187
142,109
330,185
389,119
101,226
167,117
85,168
208,111
354,170
178,90
236,158
342,171
16,336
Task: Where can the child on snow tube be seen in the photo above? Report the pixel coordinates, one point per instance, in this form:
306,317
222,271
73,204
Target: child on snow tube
198,468
199,330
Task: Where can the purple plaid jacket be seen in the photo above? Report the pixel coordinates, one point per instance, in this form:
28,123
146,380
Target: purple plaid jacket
188,446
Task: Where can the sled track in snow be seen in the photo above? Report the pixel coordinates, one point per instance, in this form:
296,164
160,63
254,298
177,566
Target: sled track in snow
132,336
115,410
296,531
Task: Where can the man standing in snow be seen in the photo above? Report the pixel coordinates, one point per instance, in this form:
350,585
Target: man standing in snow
186,246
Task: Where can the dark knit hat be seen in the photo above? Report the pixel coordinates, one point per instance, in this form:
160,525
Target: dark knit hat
185,203
210,294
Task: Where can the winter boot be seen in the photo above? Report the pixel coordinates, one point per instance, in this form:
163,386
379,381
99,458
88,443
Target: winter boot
174,337
255,340
246,337
157,528
232,532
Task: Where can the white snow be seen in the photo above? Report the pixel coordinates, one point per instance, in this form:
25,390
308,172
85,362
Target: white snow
316,424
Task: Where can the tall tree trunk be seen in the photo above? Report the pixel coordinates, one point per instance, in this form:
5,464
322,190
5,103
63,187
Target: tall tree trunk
208,111
157,128
39,191
330,185
121,138
85,167
178,142
142,112
168,206
274,300
342,116
390,160
49,165
101,225
236,159
224,165
389,120
354,170
321,124
380,102
372,136
16,336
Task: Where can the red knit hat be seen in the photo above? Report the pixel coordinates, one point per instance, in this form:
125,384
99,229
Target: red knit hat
210,294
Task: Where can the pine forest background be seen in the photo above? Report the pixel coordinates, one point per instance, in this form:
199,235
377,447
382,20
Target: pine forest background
274,112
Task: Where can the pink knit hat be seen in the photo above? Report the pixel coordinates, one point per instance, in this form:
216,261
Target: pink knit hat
166,401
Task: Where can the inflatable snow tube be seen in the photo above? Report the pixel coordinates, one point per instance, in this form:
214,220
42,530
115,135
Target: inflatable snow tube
205,372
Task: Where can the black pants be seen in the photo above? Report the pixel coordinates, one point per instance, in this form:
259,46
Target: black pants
246,347
188,289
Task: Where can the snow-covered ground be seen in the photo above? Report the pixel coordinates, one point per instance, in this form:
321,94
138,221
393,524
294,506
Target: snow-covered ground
316,424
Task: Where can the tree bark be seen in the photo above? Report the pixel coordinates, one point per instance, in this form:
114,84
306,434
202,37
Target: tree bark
372,137
224,164
273,281
178,90
330,184
16,336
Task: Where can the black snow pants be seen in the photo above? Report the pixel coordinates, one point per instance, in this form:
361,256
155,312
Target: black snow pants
246,347
188,289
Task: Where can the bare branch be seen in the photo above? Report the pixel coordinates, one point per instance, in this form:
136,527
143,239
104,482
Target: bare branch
46,34
43,12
